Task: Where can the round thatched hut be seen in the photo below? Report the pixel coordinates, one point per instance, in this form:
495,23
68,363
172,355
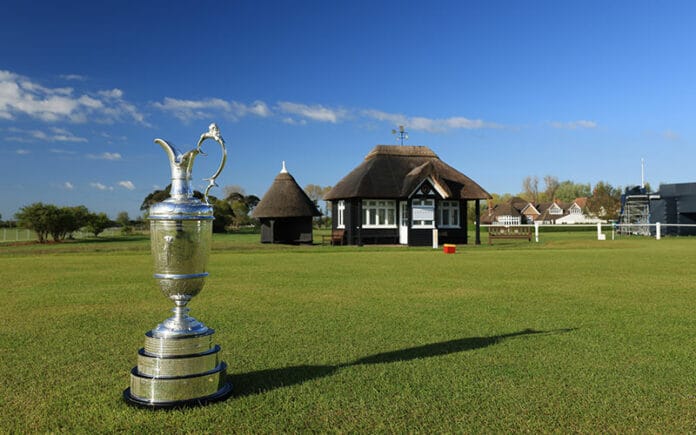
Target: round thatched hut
286,212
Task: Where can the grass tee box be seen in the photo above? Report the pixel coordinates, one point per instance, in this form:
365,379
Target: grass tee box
568,335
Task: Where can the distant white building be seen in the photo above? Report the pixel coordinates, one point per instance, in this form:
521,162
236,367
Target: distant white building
517,212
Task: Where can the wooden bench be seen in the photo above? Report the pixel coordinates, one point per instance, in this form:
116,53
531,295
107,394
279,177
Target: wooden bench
505,232
335,238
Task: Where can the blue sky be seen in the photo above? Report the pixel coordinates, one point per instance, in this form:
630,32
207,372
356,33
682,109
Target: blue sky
498,89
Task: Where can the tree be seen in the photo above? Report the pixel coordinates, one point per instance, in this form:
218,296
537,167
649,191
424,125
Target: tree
224,215
241,205
569,191
35,217
605,202
70,219
530,189
316,193
155,197
550,187
97,223
123,219
47,219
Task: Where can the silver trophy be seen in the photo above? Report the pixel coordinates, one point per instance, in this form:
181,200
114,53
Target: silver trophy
179,366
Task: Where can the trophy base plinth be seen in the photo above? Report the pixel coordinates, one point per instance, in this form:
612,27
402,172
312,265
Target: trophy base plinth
219,396
178,372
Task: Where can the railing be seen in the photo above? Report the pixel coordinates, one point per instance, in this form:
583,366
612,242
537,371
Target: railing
9,235
615,228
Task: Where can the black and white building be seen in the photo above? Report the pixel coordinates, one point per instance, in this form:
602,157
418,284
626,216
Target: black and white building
401,194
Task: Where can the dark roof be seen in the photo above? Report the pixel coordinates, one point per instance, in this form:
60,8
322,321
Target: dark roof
506,209
518,203
391,171
284,199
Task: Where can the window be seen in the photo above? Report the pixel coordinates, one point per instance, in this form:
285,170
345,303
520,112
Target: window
379,213
508,220
341,211
423,213
449,214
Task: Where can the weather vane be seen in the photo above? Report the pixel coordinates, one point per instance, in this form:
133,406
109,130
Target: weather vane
401,134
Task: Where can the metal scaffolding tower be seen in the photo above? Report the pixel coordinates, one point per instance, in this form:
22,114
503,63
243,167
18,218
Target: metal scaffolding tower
635,215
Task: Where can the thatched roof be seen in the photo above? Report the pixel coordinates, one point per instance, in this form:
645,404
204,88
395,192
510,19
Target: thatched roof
391,171
284,199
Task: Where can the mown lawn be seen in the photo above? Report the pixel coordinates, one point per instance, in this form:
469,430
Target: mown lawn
570,334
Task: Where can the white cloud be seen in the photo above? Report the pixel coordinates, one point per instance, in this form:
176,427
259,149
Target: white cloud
105,156
112,93
22,152
432,125
76,77
314,112
100,186
127,185
293,121
68,185
21,96
671,135
60,151
573,125
187,110
55,135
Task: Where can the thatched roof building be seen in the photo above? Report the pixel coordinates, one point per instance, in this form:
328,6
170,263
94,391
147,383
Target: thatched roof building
399,194
285,212
395,171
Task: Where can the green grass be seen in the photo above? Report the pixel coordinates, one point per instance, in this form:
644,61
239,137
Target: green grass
567,335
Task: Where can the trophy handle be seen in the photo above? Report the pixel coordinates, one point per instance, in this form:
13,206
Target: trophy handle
213,133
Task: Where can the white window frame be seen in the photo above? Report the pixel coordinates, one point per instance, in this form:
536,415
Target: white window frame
425,203
341,208
381,210
449,209
508,220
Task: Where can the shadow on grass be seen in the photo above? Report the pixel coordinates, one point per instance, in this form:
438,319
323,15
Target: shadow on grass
245,384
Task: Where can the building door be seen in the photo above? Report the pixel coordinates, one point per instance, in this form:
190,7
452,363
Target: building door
403,222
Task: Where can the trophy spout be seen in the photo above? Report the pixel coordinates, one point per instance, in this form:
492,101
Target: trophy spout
180,166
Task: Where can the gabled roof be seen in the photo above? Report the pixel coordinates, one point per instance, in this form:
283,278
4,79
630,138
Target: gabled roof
506,209
391,171
581,202
284,199
530,206
519,203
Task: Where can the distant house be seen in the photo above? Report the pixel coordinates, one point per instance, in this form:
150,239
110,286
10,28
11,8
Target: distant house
576,214
517,211
549,212
286,212
400,194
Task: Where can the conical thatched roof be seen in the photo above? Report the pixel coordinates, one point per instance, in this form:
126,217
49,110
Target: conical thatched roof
391,171
285,199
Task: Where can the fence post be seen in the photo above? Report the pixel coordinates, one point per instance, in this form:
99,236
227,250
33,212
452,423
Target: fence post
600,236
536,231
658,234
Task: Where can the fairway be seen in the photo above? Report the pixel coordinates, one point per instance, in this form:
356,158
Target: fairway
567,335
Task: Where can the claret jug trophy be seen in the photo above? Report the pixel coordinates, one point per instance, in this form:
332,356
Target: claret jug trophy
179,365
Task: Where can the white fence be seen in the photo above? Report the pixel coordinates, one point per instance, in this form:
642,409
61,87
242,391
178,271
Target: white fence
616,230
24,235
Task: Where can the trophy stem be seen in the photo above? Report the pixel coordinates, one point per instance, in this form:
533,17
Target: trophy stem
180,324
